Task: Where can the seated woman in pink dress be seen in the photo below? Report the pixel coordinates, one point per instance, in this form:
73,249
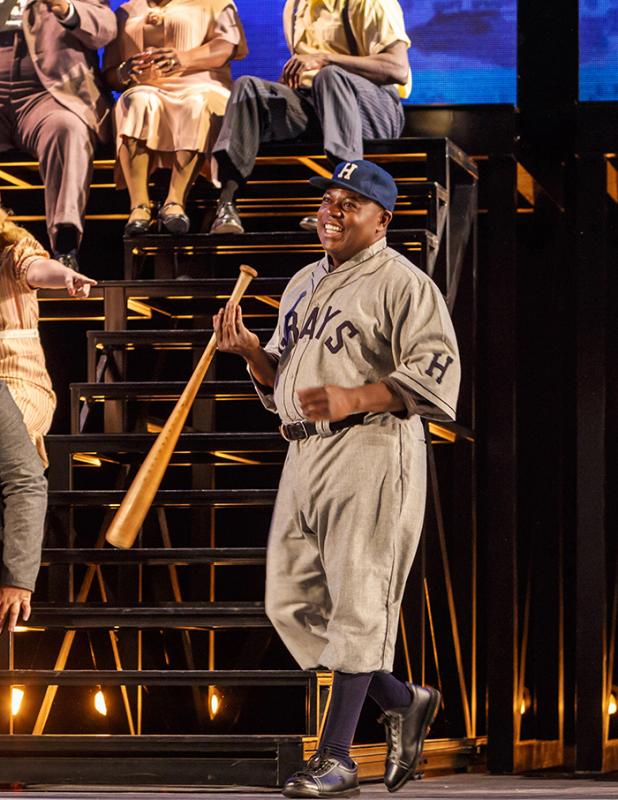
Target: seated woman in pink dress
172,59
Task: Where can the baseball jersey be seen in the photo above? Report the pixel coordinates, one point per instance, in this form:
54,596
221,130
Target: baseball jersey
375,318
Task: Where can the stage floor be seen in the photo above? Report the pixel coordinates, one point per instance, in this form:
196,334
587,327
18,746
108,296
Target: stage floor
455,787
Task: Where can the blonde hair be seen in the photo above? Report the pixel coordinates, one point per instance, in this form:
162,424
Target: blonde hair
10,233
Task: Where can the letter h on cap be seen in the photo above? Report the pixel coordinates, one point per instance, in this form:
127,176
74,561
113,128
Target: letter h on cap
347,170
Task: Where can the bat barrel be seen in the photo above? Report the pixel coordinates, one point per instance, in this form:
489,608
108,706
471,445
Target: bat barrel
127,521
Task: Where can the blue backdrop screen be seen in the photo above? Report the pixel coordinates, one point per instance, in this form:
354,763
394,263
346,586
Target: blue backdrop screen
598,50
463,51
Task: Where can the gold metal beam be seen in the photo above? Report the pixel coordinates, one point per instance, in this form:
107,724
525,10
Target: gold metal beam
612,180
526,184
14,181
317,168
449,588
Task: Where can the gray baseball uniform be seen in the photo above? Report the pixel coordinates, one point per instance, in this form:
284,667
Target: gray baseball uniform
350,506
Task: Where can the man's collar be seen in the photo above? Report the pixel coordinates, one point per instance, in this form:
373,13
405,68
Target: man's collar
361,256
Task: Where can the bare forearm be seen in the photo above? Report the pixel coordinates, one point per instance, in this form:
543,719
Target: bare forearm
382,69
337,402
44,273
374,398
262,365
213,55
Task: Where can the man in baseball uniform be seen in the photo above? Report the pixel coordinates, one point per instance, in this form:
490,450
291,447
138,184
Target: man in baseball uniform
364,348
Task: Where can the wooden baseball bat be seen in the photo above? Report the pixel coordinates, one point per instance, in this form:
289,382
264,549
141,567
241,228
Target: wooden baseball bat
132,511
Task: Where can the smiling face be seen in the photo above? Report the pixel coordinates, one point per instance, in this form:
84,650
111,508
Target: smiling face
348,223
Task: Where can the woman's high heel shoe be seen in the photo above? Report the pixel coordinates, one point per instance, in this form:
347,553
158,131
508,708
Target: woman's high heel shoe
176,224
135,227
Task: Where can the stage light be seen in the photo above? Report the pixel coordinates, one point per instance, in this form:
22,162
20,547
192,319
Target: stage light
17,695
215,701
526,702
99,702
612,705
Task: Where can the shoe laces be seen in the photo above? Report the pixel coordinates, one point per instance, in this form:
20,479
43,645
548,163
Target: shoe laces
393,726
319,764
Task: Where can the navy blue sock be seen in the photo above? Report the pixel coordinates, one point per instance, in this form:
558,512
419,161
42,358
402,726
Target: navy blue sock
346,701
388,691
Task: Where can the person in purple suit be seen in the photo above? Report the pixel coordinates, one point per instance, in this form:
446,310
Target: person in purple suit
52,101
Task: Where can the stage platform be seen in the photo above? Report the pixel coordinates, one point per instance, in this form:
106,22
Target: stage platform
470,787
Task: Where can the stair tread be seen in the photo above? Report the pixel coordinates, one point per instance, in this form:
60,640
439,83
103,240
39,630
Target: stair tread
154,555
203,287
58,497
161,615
157,334
136,441
130,389
105,742
250,239
154,677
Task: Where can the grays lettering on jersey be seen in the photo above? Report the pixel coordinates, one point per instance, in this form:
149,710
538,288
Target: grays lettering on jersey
375,318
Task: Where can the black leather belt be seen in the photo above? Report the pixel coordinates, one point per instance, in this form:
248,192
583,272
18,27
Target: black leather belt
303,430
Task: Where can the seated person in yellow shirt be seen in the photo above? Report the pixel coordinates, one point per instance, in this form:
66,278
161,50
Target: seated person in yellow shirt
345,78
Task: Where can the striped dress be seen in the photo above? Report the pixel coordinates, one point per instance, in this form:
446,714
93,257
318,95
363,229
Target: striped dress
22,361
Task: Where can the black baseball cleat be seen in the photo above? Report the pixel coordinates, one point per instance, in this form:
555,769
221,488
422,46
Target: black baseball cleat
226,220
406,729
323,776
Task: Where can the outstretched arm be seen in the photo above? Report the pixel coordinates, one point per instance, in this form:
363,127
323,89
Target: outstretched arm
46,273
234,337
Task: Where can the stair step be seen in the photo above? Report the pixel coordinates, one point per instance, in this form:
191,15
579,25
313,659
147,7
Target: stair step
164,497
294,194
263,206
154,743
154,677
162,390
269,252
252,243
152,337
196,287
169,615
140,442
152,556
153,760
395,155
163,299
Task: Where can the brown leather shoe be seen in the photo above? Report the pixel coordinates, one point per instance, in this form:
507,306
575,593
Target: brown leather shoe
406,729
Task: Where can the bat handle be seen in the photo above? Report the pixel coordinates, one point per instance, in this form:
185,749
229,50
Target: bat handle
247,274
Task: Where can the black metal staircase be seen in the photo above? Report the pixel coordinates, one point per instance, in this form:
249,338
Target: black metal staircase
162,629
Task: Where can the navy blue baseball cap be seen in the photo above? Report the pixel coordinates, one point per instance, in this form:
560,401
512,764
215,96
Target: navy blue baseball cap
363,177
